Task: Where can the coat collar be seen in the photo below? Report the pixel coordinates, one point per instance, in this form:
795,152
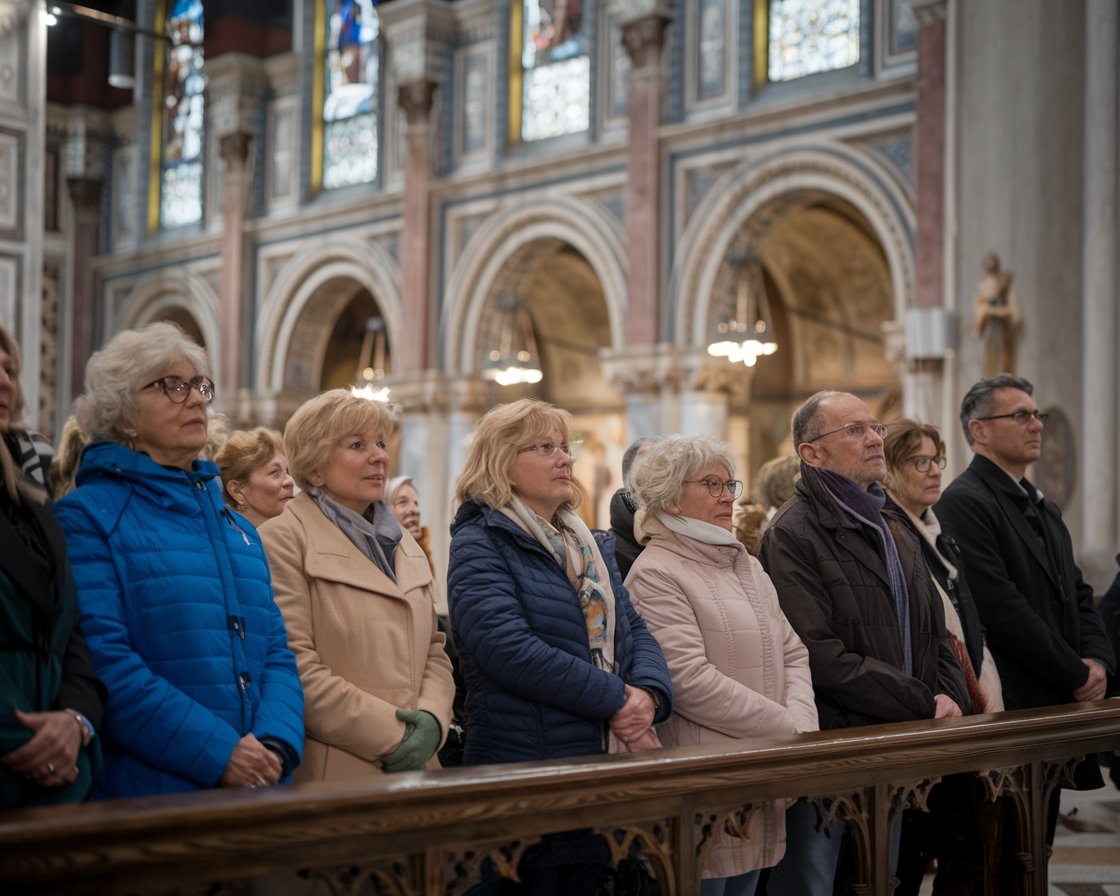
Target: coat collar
1013,504
334,557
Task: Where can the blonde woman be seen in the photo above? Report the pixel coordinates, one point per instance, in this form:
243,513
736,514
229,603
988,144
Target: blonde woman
555,659
356,594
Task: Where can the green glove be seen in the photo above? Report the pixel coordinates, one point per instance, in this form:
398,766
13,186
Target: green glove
421,740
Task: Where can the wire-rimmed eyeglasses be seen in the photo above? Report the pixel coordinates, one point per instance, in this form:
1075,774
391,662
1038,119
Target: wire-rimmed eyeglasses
922,462
545,450
856,431
716,486
1020,416
178,389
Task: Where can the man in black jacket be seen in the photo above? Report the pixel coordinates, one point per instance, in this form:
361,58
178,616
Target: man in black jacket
852,581
1045,635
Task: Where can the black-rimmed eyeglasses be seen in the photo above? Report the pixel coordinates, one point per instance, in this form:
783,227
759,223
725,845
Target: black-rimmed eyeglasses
922,462
178,389
856,431
1020,416
716,486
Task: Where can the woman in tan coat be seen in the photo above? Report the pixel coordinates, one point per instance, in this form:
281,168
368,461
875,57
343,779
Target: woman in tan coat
738,668
356,594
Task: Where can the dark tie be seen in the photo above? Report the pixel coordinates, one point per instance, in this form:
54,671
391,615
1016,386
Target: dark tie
1032,510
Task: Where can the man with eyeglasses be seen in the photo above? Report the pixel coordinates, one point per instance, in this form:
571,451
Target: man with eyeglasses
1047,638
852,581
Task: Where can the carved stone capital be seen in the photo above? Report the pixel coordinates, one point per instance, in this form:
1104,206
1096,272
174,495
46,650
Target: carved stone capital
430,391
418,36
929,12
85,150
415,97
236,85
235,148
644,36
85,192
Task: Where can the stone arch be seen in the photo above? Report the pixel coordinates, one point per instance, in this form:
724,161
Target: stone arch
368,265
744,194
586,227
161,296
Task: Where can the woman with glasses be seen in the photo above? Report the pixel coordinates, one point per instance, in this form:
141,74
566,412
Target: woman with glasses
961,827
356,592
739,670
555,659
174,588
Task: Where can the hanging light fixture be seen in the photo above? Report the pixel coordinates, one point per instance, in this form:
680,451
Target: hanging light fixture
370,381
122,46
516,359
747,333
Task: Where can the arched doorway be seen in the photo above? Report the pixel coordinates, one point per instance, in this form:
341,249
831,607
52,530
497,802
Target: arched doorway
564,299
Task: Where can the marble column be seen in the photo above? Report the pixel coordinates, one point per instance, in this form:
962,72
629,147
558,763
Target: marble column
643,36
85,198
929,324
23,104
234,149
1100,537
236,86
415,98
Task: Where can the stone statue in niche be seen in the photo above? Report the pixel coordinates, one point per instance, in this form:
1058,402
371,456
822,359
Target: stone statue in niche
997,317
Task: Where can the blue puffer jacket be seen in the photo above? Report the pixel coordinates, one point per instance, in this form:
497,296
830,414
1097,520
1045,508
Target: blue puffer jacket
177,608
532,691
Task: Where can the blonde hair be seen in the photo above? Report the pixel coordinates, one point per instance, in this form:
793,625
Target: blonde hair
659,472
130,361
497,438
319,422
15,483
64,467
244,452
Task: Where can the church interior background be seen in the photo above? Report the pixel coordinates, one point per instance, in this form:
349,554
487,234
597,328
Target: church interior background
467,201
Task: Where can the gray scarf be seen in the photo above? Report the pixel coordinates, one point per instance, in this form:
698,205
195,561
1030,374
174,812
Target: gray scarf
376,533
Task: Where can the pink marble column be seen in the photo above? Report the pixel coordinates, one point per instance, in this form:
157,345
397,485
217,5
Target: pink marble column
930,153
643,38
85,194
415,98
235,151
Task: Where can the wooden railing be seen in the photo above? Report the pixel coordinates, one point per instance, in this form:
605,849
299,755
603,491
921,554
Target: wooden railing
427,832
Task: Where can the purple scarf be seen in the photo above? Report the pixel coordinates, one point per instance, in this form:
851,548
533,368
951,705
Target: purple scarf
866,507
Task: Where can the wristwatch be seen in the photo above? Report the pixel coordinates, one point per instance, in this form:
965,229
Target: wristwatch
84,726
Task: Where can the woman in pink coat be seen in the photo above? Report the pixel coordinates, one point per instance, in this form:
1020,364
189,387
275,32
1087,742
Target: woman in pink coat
738,669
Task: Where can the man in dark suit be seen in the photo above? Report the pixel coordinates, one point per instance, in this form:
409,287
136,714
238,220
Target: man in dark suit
1045,635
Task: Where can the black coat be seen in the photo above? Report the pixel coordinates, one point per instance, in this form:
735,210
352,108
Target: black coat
834,588
1032,600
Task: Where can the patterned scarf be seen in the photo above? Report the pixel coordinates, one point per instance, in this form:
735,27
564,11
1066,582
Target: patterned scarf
574,548
866,507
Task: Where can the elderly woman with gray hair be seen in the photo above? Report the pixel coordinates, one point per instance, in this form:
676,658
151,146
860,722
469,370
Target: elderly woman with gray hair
173,587
739,671
356,591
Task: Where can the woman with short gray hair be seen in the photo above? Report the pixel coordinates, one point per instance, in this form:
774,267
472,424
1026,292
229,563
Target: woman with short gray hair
738,669
174,591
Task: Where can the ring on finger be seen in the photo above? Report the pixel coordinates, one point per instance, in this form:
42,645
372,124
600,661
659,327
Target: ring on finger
50,768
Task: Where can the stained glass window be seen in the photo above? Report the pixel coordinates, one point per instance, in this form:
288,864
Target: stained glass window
350,151
808,36
183,117
555,69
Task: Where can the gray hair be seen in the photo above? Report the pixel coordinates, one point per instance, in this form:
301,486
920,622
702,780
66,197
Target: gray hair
980,400
660,471
130,360
807,418
637,447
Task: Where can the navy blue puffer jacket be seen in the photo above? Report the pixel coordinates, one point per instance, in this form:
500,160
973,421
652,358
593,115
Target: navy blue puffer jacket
532,690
